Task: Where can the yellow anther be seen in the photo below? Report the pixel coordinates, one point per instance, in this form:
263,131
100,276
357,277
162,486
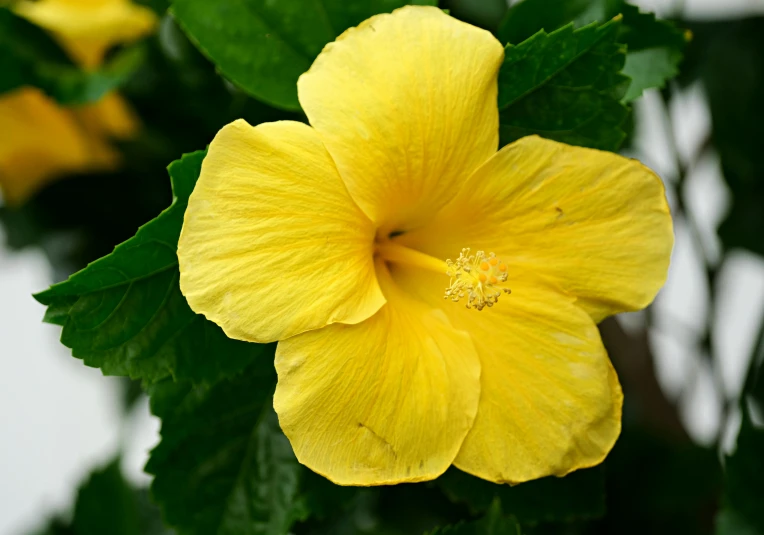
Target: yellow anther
480,289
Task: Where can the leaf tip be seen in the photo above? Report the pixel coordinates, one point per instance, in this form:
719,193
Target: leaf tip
182,182
42,297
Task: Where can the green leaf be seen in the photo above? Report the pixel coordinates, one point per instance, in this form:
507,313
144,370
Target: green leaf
654,46
22,45
30,57
575,496
159,7
383,510
106,504
642,31
565,86
323,498
655,49
743,497
125,314
483,13
223,466
650,68
264,46
493,523
55,526
529,16
149,516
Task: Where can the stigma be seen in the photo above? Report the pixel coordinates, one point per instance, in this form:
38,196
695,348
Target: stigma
477,278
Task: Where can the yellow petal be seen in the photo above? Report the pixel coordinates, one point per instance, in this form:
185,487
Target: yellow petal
272,244
550,401
406,105
88,28
110,117
29,120
386,401
596,223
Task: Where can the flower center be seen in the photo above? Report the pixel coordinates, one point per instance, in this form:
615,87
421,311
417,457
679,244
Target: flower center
477,278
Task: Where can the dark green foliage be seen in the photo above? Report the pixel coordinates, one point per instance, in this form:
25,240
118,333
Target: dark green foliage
493,523
742,512
731,523
576,496
757,383
450,501
23,47
565,86
395,510
484,13
654,46
132,391
324,499
753,388
642,31
527,17
728,58
54,527
159,7
223,466
655,49
107,504
30,57
125,314
660,486
149,516
262,46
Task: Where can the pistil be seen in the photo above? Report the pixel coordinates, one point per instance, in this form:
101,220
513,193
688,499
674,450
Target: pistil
393,252
478,278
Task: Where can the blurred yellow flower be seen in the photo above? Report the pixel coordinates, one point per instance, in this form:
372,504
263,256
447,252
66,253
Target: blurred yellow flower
334,240
42,140
86,29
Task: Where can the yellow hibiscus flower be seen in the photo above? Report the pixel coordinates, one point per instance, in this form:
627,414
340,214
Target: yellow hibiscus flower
29,120
333,239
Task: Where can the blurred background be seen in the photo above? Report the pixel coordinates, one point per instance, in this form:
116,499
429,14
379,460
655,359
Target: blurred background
683,363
